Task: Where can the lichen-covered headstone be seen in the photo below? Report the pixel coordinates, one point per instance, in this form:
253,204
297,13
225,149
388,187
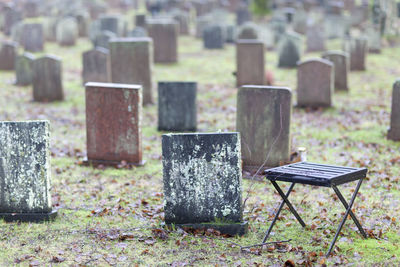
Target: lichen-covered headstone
24,69
250,62
47,79
132,63
114,123
394,131
25,171
33,37
203,181
289,50
263,120
96,65
213,37
341,66
164,33
67,31
177,109
315,83
8,53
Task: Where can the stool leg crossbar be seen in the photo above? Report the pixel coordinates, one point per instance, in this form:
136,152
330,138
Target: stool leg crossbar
347,206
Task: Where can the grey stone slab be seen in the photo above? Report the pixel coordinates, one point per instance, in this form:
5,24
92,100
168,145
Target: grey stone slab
394,131
315,39
213,37
263,120
177,108
202,178
24,69
341,67
164,33
33,37
96,65
8,53
25,172
358,54
250,62
67,31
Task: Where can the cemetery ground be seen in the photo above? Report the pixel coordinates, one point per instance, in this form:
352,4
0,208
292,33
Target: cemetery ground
114,216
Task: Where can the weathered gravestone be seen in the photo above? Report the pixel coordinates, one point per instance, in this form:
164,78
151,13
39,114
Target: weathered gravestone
31,8
263,120
8,54
132,63
289,50
314,83
243,15
50,28
83,20
177,108
33,37
394,131
114,123
24,69
140,20
47,79
248,30
357,48
250,62
67,31
341,66
103,38
113,24
11,16
25,171
374,40
164,33
138,32
230,31
315,39
203,181
96,65
183,20
213,37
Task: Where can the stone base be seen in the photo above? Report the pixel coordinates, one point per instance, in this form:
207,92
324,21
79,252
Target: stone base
96,163
394,134
28,217
231,229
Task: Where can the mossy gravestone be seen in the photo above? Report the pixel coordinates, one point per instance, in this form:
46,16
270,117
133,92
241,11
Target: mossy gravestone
203,181
263,120
177,110
25,171
23,69
96,65
394,131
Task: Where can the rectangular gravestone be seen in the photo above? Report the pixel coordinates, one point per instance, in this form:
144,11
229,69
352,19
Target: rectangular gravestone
132,63
165,40
358,54
315,39
394,131
263,120
315,83
140,20
111,23
213,37
10,17
24,69
341,66
67,31
250,62
47,79
177,108
25,171
114,123
33,37
96,65
8,54
203,181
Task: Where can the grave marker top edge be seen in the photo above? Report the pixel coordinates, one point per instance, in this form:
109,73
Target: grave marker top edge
114,85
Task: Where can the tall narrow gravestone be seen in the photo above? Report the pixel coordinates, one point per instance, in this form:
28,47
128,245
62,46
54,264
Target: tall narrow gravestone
8,54
177,110
33,37
315,83
250,62
25,171
394,131
203,181
263,120
114,123
358,53
47,79
165,39
24,69
96,65
132,63
289,50
341,66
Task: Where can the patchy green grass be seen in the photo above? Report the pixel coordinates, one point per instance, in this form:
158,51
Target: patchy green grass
115,216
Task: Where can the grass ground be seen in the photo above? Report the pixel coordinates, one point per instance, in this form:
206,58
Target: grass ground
115,216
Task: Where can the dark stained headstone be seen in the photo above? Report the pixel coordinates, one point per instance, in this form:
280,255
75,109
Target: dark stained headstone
213,37
47,79
113,123
164,33
96,65
289,50
103,38
67,31
250,62
394,131
203,181
8,54
315,83
25,171
132,63
263,120
140,20
341,66
24,69
33,37
177,108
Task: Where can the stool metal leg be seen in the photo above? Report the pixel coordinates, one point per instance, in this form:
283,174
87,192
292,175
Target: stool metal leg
344,217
